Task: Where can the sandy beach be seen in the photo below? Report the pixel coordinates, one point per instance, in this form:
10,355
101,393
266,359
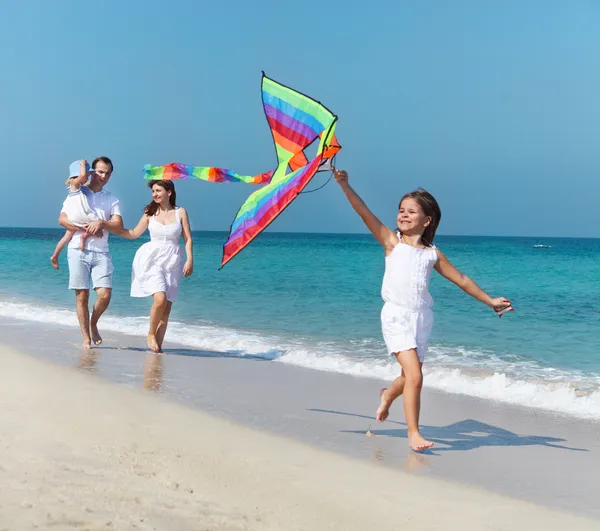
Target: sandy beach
81,452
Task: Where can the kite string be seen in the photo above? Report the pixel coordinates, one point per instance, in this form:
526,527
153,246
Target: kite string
325,183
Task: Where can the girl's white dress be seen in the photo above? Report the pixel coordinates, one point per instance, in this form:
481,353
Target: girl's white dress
407,315
77,207
158,264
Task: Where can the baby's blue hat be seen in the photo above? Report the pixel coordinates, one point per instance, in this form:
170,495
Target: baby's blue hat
74,169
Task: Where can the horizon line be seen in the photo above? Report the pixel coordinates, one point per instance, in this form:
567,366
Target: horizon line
357,233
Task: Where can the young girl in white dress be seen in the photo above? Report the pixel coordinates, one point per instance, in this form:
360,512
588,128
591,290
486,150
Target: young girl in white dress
159,265
76,206
407,316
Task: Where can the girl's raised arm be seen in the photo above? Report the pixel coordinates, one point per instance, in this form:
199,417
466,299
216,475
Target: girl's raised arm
447,270
133,234
386,237
77,182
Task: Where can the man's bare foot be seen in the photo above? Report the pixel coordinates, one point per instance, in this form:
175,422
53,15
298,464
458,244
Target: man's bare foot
152,344
417,443
54,261
95,335
384,407
87,344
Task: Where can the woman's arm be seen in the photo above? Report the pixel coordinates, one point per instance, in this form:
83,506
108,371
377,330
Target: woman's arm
131,234
386,237
186,232
447,270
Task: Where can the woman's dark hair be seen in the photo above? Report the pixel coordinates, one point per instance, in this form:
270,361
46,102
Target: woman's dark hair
152,208
430,208
106,160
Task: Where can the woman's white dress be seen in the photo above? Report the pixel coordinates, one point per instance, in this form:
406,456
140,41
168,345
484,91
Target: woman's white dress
158,264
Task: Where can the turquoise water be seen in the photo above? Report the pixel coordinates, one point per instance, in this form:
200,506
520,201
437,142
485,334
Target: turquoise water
313,300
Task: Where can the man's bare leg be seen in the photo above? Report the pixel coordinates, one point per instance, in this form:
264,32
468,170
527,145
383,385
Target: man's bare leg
83,315
162,325
103,296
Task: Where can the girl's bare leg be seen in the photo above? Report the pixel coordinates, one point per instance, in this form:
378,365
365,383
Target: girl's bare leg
413,374
84,237
162,325
59,247
388,396
156,313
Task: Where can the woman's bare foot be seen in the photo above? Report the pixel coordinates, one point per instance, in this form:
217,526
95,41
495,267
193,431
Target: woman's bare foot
54,261
152,344
417,443
95,335
384,407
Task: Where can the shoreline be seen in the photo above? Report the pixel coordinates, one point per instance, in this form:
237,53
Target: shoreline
510,450
92,454
561,394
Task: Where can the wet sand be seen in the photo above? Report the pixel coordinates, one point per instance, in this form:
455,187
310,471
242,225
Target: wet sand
82,452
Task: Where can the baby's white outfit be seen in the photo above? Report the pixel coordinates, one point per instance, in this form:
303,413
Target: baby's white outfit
77,208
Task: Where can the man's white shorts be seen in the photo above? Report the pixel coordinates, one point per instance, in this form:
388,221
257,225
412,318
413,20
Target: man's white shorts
84,265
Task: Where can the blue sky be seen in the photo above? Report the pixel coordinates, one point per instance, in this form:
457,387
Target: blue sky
491,106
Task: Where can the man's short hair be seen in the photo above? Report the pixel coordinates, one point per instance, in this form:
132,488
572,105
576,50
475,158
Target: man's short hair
106,160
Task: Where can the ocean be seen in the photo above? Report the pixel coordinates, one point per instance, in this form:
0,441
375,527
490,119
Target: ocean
313,300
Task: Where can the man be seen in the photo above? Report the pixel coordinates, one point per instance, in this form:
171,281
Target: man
94,261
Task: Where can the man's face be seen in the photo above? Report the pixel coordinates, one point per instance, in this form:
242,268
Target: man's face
103,172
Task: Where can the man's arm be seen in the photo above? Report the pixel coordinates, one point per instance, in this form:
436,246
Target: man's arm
63,220
114,225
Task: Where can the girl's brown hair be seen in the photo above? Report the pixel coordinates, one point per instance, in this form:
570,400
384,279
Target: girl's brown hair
152,208
430,208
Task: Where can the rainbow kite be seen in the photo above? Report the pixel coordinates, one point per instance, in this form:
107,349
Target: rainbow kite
296,121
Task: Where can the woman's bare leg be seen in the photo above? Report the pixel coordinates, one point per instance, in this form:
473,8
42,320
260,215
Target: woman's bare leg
162,325
156,313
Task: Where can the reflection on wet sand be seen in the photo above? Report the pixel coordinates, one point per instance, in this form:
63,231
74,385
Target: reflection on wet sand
415,461
153,372
88,359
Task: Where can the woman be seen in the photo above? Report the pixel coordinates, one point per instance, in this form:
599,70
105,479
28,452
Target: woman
158,265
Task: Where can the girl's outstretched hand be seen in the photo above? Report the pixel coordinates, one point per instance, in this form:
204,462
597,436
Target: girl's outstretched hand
501,306
341,176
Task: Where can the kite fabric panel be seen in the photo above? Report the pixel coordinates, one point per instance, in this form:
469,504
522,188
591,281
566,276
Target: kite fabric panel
296,122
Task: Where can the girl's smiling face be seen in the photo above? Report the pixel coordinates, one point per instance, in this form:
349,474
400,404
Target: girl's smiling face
411,219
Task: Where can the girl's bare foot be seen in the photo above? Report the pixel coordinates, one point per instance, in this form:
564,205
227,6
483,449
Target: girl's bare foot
384,407
417,443
95,335
152,344
54,261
